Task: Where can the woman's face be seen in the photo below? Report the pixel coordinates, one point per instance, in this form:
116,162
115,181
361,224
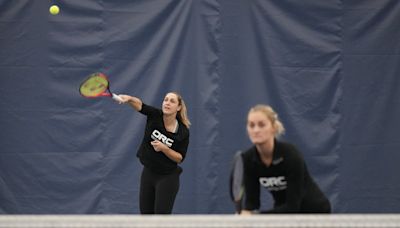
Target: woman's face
170,104
259,128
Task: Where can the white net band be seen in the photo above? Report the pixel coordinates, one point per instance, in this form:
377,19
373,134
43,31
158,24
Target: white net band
204,221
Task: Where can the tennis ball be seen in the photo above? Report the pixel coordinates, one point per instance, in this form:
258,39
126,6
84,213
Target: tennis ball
54,10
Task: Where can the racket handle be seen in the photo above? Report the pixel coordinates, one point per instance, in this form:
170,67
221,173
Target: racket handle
117,98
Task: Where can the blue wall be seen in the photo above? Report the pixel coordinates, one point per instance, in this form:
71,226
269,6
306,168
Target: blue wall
330,68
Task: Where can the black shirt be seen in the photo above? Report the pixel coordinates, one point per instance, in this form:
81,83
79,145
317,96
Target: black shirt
287,179
155,130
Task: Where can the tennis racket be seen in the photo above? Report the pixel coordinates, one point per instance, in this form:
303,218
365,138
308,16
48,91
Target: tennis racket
236,181
97,85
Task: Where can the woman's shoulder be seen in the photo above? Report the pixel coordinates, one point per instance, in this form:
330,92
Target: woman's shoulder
150,110
183,130
249,153
288,150
284,145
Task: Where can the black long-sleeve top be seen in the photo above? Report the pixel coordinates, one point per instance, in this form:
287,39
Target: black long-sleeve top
155,130
287,179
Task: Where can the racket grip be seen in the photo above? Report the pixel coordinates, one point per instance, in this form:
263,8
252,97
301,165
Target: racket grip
117,98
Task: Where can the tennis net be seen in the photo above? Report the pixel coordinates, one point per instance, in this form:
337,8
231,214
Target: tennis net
204,221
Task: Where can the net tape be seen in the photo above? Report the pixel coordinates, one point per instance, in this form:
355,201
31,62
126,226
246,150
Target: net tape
204,221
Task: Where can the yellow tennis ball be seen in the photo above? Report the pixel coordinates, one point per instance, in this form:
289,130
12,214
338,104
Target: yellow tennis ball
54,10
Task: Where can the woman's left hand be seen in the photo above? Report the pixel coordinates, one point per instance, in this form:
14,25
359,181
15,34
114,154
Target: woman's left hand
158,146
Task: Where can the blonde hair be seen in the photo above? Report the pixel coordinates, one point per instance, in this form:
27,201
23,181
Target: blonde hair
272,116
182,114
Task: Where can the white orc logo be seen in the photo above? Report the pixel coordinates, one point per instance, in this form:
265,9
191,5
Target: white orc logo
273,183
156,135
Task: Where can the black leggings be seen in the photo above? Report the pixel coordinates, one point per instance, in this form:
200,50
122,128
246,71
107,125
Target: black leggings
158,191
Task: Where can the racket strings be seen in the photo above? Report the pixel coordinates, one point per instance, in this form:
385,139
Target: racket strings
94,86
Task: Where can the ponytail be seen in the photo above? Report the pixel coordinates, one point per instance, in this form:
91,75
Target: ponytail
182,114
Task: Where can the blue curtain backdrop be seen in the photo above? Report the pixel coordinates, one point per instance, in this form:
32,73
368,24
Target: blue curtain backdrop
330,69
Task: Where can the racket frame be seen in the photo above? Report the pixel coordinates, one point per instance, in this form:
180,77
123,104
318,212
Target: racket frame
106,93
236,182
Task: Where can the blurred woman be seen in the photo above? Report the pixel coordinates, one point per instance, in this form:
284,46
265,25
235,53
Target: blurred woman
278,167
